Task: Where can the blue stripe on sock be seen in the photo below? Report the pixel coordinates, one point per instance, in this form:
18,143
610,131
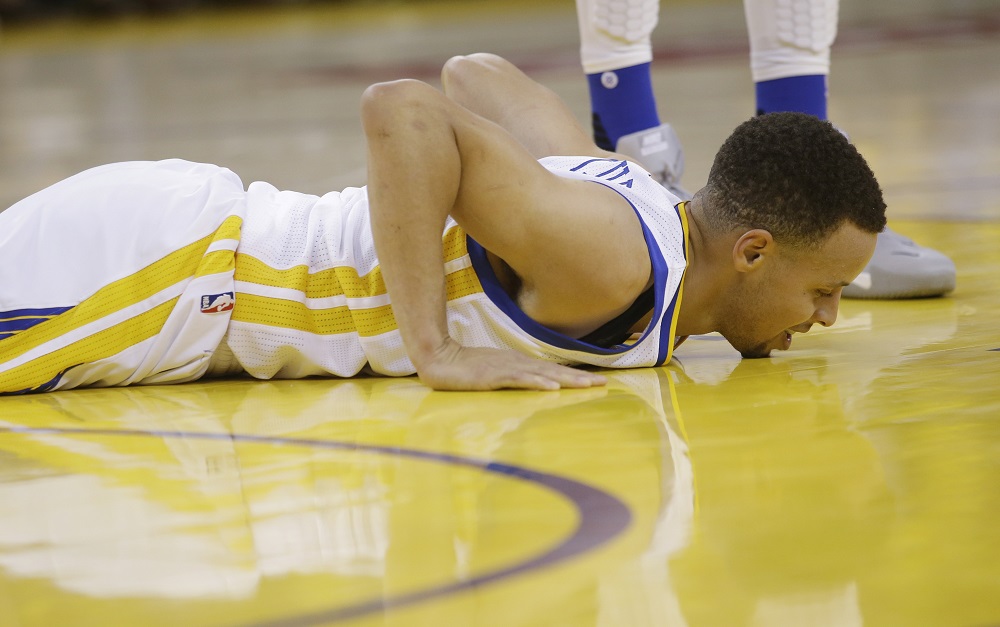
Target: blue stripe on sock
805,94
623,102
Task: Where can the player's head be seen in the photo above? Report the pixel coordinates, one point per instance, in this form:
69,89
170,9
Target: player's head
795,176
804,209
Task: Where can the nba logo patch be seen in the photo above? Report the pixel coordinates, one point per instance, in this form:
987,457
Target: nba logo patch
217,303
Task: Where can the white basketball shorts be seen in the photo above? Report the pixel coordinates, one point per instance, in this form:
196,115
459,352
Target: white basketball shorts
120,275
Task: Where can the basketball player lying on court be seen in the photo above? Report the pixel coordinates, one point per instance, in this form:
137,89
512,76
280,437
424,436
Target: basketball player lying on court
163,272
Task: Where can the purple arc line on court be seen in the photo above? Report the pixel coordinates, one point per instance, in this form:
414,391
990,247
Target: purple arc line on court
601,516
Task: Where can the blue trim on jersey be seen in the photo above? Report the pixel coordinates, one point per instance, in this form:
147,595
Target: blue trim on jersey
660,273
23,319
667,339
495,292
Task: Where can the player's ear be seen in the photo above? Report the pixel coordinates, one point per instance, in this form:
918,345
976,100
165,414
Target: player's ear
752,249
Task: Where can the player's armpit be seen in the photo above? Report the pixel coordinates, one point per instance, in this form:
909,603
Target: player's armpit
577,246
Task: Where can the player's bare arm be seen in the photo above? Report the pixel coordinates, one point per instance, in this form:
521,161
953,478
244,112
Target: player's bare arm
576,247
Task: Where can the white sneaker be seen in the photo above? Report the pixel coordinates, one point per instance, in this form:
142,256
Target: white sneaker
659,151
901,268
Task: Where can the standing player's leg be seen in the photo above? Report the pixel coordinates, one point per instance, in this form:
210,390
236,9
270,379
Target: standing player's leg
790,53
790,62
616,53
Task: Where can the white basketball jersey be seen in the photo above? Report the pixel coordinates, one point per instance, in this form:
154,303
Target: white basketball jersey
310,299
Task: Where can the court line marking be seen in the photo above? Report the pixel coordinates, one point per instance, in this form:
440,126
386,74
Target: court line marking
601,516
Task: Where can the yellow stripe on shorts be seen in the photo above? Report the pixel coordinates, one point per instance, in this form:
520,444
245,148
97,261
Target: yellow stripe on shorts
100,345
181,265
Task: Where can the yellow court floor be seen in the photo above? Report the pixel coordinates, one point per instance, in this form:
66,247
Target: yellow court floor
854,480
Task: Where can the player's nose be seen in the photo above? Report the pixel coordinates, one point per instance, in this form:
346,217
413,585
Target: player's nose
826,312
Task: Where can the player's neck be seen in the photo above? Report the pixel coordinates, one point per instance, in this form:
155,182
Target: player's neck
703,280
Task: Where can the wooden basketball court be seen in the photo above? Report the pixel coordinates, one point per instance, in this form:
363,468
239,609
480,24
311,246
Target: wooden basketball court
854,480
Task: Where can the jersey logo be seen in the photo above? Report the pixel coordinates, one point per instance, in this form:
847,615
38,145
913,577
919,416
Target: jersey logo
217,303
616,172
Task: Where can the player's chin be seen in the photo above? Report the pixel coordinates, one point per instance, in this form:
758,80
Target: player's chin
782,342
756,352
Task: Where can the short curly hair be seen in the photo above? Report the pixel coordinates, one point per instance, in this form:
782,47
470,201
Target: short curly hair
793,175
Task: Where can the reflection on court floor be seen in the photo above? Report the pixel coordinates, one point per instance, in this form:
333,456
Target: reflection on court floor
851,481
782,483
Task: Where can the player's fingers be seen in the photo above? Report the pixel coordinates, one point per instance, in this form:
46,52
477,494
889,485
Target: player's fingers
553,377
525,380
571,377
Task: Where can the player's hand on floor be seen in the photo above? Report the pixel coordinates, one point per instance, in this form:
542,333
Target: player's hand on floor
456,367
